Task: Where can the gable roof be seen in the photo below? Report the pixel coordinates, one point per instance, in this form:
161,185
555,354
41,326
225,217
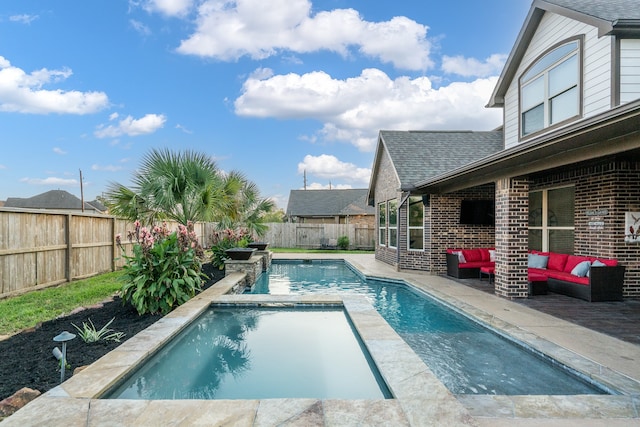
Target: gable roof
611,17
329,203
54,199
419,155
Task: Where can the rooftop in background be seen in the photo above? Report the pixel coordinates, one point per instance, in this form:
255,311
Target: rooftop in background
316,203
54,199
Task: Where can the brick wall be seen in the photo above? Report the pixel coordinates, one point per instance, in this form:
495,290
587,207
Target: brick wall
443,229
604,192
386,188
511,237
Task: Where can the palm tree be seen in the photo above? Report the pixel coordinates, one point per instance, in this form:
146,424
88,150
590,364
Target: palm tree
185,186
188,186
247,208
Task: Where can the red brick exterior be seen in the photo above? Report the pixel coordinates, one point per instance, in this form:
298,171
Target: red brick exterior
512,241
611,186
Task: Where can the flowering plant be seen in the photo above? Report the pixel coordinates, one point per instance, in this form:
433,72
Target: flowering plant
227,239
165,269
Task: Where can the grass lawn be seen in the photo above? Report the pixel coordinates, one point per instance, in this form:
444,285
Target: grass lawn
27,310
317,251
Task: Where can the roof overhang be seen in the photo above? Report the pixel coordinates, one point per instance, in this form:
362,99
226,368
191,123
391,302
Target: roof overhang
613,132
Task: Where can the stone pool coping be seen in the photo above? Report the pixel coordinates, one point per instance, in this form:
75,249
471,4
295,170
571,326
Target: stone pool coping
76,401
420,398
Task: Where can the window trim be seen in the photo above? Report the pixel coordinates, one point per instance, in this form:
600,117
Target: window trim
414,227
545,228
382,227
579,86
390,227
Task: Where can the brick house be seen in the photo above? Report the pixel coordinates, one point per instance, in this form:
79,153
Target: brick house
565,173
347,206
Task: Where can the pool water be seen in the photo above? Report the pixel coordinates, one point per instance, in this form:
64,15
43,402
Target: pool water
466,356
241,352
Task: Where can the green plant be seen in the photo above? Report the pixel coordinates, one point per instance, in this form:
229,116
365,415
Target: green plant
224,240
164,271
90,334
343,242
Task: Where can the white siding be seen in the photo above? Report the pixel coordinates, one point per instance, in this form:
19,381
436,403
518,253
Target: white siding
629,70
597,69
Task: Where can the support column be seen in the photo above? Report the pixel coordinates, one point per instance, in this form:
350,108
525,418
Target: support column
512,222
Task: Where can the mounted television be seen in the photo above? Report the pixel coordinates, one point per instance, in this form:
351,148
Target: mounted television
477,212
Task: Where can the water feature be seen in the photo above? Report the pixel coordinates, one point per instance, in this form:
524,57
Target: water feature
466,356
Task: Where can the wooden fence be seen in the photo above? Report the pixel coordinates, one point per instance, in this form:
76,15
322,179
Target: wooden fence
40,248
311,236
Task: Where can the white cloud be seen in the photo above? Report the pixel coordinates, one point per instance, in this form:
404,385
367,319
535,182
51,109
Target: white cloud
62,182
23,93
59,150
3,167
329,186
330,167
169,7
106,168
228,30
132,127
23,19
471,67
140,27
355,109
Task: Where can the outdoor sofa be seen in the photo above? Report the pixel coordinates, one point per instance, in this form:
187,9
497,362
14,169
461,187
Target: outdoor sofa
588,278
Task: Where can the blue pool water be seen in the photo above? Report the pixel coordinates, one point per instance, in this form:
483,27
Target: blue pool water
242,352
467,357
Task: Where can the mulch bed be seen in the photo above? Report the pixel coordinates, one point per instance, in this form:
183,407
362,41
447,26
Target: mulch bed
27,359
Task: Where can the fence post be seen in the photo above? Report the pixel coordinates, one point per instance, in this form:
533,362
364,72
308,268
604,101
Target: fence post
67,235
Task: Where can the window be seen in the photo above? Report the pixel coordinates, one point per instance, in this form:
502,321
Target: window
550,89
415,221
382,224
551,226
393,223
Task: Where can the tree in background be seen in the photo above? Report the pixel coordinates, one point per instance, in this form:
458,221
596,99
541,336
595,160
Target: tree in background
184,186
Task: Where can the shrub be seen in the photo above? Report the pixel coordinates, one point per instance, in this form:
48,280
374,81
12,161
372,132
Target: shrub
165,269
343,242
227,239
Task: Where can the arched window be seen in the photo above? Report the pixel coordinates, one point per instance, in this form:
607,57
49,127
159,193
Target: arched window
550,89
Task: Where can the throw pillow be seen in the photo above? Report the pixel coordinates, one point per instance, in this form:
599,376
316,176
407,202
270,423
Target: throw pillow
582,269
492,255
461,259
538,261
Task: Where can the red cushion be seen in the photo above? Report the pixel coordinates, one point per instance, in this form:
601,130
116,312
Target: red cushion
472,255
484,252
557,261
567,277
573,260
540,271
536,277
474,264
488,269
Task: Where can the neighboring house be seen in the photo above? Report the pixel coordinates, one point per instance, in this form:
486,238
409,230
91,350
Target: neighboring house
330,207
57,200
566,173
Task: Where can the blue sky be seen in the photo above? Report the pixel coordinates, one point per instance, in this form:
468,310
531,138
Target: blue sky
269,88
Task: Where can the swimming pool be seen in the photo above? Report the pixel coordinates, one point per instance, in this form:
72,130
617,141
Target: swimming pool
466,356
248,352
